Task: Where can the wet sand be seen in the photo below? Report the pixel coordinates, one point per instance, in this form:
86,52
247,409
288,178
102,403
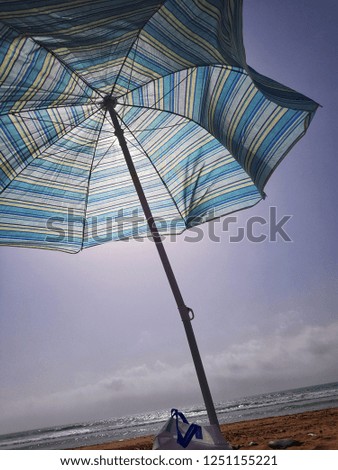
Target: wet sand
314,430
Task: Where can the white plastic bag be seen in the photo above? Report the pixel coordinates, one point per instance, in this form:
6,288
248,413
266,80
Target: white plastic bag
178,434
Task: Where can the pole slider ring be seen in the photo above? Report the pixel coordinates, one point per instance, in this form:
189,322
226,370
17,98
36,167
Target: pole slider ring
192,316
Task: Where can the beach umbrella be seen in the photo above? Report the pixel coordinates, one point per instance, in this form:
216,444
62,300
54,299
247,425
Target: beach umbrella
117,108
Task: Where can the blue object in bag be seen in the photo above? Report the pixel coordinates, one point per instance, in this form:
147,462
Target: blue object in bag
178,434
193,429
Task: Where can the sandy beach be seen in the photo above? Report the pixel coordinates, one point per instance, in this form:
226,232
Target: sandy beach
314,430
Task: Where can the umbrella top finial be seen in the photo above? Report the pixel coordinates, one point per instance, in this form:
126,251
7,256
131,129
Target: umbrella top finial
109,102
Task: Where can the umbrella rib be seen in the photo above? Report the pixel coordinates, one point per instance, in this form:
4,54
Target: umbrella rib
173,88
192,67
157,172
40,153
124,62
18,113
103,156
89,179
79,77
146,129
46,108
132,45
166,111
207,130
68,67
133,62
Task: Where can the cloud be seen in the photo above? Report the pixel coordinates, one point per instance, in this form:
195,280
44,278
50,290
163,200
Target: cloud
290,321
307,355
271,362
144,386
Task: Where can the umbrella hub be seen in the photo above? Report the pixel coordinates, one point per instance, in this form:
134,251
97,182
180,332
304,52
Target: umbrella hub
109,102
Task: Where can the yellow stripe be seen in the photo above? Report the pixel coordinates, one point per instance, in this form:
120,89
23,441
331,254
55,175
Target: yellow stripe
11,57
246,99
37,206
89,26
36,181
202,171
197,174
135,67
6,167
169,164
220,84
43,10
210,10
67,92
277,114
192,94
33,229
38,83
163,50
83,49
64,161
212,195
103,66
40,247
25,133
181,27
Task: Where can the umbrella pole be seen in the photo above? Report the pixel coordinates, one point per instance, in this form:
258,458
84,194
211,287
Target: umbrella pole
183,309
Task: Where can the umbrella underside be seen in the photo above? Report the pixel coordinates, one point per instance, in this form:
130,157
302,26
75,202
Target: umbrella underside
205,131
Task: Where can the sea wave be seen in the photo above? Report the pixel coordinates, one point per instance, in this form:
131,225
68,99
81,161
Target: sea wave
258,406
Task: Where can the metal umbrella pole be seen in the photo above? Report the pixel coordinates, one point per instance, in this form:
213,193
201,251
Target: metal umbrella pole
185,312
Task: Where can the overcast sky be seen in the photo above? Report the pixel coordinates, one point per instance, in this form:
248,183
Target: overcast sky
97,334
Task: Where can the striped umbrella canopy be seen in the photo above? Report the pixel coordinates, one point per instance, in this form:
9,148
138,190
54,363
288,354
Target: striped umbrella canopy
205,130
115,108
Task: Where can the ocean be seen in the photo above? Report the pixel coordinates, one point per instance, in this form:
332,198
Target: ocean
259,406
